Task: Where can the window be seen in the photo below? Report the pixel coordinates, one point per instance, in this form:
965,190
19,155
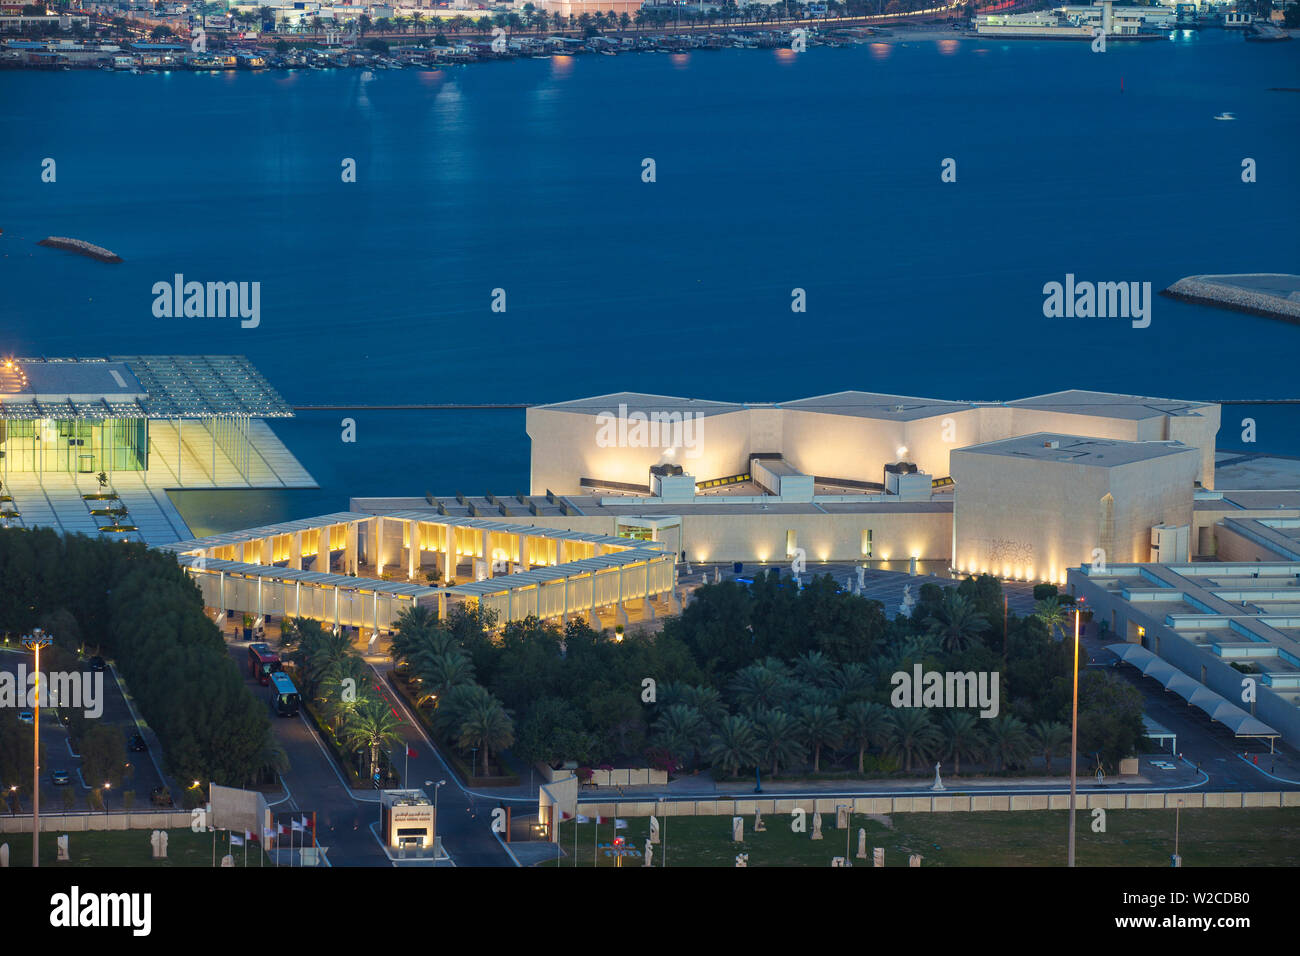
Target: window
866,543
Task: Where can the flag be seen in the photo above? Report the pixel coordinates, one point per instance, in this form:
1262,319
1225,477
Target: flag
304,821
298,827
410,751
620,824
582,819
236,840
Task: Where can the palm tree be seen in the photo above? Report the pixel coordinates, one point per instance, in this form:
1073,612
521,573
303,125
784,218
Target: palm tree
734,745
487,726
1008,739
371,725
344,687
851,682
758,686
780,739
865,724
1050,612
956,621
1050,738
913,736
438,673
821,728
815,668
410,624
962,738
706,700
681,730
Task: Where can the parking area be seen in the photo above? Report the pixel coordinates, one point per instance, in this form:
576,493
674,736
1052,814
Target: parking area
63,785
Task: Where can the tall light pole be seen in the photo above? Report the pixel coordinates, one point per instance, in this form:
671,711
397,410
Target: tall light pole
36,640
1074,736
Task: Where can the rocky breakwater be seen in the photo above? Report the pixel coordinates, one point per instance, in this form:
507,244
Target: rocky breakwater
1272,294
80,247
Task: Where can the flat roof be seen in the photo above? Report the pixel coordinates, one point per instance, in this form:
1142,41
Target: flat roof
900,408
557,572
643,402
1078,450
344,582
140,386
1107,405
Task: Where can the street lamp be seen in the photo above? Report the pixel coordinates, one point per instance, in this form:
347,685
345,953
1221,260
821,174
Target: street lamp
1074,737
36,640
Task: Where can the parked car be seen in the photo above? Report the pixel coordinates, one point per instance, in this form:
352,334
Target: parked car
98,663
60,778
136,744
26,717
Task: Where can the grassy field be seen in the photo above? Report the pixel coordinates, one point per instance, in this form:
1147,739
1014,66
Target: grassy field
128,848
1256,837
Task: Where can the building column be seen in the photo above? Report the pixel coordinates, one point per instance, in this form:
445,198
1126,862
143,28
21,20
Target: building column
412,549
379,546
442,605
449,555
488,559
350,562
295,551
559,550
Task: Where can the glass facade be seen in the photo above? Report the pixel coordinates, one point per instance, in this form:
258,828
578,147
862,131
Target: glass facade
83,446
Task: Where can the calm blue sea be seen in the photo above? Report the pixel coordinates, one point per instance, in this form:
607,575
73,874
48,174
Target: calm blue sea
774,171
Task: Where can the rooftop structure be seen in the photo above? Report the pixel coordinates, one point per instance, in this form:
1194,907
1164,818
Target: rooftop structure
148,424
1206,617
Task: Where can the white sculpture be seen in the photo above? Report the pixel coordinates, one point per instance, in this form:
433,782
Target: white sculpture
862,844
909,602
759,825
842,817
742,859
938,782
817,826
654,830
649,854
62,844
738,829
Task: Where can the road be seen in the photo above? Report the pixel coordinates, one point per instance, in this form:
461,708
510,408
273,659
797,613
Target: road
344,815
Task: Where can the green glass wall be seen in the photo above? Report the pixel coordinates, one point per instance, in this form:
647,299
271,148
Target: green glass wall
75,445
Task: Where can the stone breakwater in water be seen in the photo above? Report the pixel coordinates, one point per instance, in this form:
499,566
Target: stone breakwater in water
1276,295
80,247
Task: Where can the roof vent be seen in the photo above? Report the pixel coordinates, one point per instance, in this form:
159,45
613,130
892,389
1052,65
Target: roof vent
1052,444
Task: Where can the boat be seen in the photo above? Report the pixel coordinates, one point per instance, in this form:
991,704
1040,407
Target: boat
1225,116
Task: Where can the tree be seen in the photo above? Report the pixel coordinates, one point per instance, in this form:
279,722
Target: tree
956,622
682,731
821,728
913,735
780,739
486,726
439,671
961,738
1008,739
1110,716
1049,737
866,724
1049,611
371,725
734,745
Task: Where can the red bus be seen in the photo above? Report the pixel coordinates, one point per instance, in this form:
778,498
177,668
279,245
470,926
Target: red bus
262,662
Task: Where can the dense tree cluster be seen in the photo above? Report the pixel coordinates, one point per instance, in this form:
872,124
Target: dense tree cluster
139,608
772,676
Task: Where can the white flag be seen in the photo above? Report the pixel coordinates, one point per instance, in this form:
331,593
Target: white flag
236,840
298,827
582,819
620,824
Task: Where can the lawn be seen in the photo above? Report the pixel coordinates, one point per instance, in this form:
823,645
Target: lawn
128,848
1248,838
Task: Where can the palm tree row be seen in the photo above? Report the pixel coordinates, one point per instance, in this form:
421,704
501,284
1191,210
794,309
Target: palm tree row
773,737
466,713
